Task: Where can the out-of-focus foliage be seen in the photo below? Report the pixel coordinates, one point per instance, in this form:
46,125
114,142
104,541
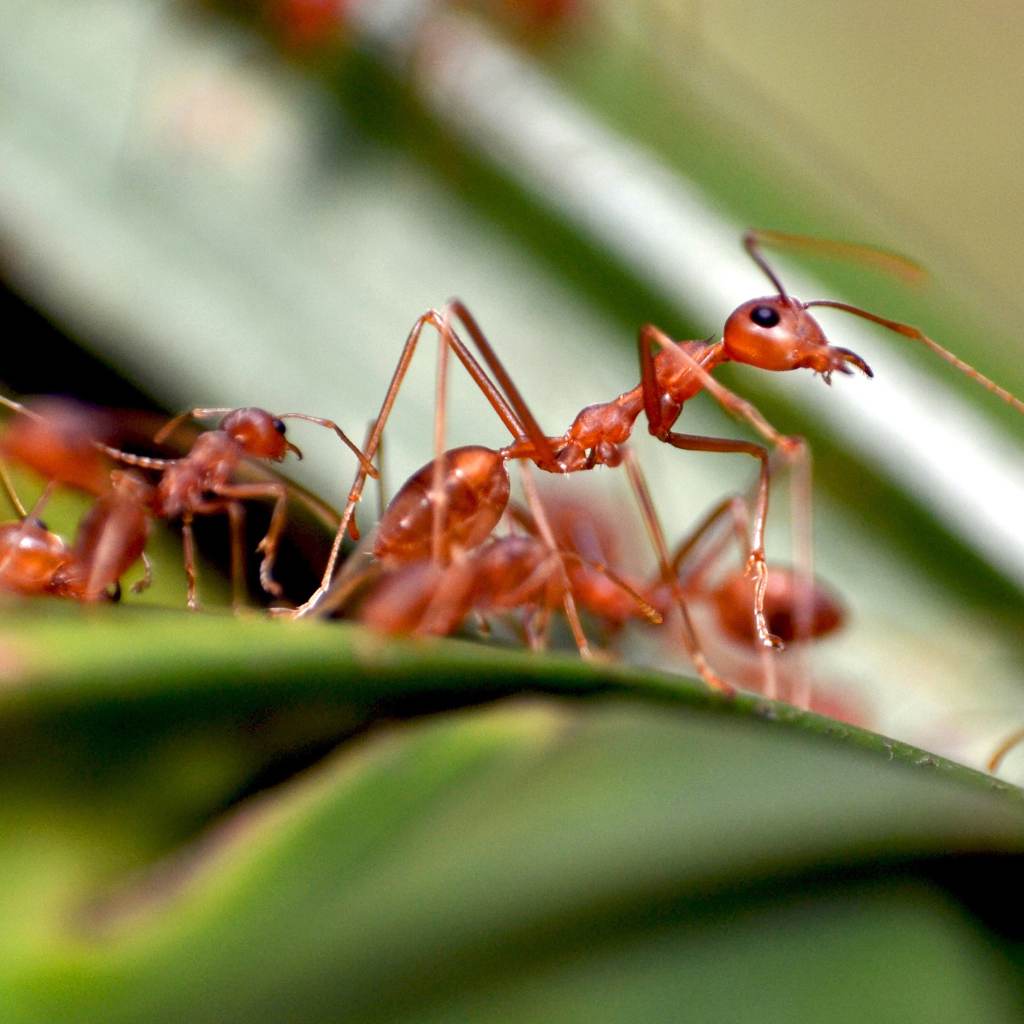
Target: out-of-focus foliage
612,846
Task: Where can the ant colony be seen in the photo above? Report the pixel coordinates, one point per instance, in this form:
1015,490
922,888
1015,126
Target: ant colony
453,552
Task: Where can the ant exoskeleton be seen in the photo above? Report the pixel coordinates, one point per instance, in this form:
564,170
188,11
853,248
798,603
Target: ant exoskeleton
773,333
203,481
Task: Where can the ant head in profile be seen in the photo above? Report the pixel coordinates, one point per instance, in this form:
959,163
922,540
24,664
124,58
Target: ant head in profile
259,433
777,333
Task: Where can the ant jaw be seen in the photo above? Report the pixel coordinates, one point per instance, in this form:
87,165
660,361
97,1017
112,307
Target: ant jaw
832,359
290,447
845,356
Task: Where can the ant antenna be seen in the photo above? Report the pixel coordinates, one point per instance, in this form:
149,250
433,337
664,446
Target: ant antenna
172,425
752,243
886,260
1013,740
915,334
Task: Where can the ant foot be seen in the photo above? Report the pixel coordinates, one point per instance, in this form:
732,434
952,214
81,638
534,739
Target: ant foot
792,446
268,583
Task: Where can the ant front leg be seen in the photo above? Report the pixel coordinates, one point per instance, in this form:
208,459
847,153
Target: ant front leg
147,575
268,546
794,448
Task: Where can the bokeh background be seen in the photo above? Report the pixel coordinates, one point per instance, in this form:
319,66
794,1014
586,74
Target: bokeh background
249,203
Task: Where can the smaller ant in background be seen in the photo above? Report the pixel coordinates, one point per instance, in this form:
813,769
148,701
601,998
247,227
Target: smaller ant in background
60,440
202,482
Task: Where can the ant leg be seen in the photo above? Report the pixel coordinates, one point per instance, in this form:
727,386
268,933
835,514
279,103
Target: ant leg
530,426
437,492
267,546
147,576
12,494
734,507
756,564
189,414
367,465
547,535
236,524
1004,748
657,538
440,323
188,547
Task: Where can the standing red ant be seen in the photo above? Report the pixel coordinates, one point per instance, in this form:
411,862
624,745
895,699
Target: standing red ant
202,482
772,333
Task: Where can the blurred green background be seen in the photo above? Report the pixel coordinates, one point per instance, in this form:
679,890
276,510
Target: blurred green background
217,204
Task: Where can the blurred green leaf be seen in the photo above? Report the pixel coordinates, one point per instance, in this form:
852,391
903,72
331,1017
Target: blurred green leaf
587,857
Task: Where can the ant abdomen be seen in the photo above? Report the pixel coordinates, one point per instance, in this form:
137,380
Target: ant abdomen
474,492
733,603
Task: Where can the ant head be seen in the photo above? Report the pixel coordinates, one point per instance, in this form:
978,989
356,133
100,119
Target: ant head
259,433
777,333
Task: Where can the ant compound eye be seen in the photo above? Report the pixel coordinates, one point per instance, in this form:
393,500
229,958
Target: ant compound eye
37,523
764,316
279,426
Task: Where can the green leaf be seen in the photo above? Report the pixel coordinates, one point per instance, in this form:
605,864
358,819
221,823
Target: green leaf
615,843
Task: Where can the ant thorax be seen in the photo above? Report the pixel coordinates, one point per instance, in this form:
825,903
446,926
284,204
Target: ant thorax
210,464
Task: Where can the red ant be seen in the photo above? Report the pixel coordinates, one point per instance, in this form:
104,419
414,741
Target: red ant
202,482
59,440
795,608
772,333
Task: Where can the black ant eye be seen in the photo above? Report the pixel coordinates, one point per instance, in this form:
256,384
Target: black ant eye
764,316
279,426
38,524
